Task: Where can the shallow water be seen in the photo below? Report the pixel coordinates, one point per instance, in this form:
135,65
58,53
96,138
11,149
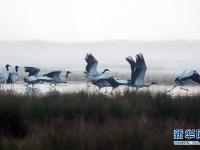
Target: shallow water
42,89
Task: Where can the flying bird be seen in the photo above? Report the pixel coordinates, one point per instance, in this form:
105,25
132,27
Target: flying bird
138,71
13,76
4,76
33,77
56,78
187,76
109,82
91,68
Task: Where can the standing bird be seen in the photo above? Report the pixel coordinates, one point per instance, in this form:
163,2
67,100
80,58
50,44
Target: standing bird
138,71
55,76
91,68
33,77
4,76
187,76
13,76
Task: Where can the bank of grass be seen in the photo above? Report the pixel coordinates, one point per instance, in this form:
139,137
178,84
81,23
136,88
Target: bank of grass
94,121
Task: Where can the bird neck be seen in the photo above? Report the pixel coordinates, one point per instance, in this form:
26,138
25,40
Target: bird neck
104,71
7,68
67,74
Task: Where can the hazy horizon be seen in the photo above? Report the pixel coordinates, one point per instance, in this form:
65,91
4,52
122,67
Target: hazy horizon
169,56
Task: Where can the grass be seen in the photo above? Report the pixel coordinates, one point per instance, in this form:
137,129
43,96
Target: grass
90,121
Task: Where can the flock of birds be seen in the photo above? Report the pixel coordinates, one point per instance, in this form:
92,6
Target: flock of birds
100,79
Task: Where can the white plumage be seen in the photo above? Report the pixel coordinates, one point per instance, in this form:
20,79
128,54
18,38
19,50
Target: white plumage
33,77
186,76
13,76
138,71
91,68
4,76
56,78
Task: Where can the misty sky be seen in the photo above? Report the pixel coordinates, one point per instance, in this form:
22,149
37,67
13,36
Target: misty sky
97,20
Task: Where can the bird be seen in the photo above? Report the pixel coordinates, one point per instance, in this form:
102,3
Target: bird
4,76
186,76
101,82
33,77
91,68
138,71
13,76
109,81
55,76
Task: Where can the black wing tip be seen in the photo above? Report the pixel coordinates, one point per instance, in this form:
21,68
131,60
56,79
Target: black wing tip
129,58
88,57
29,69
139,57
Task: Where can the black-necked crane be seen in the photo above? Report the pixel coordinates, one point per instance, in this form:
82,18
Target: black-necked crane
56,78
138,71
13,76
187,76
91,68
33,77
4,76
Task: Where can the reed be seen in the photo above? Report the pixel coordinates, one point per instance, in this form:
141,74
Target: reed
94,121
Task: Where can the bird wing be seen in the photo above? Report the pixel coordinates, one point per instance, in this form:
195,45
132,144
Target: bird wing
185,74
12,77
44,79
91,66
122,82
132,64
140,70
54,74
32,71
103,82
103,76
33,79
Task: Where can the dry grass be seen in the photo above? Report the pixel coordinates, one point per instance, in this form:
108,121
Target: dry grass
90,121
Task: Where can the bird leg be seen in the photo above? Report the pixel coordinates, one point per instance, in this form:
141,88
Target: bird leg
99,89
106,91
183,88
96,89
172,88
136,90
112,91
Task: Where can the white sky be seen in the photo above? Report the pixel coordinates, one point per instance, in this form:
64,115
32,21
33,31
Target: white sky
97,20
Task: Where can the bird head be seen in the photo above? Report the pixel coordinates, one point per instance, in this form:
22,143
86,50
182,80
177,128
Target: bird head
17,68
7,66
